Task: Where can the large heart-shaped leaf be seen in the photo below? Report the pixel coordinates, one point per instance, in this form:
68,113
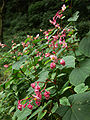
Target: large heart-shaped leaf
85,45
79,74
79,109
69,61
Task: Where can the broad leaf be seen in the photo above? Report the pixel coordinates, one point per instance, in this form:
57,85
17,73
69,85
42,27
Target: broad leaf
64,101
79,110
79,74
80,88
85,45
69,61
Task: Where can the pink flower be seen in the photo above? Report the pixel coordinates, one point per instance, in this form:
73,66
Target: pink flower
54,52
47,95
63,7
30,106
40,95
52,65
52,22
20,107
0,44
57,26
64,44
33,85
68,30
47,54
38,87
56,45
19,53
27,44
23,44
36,97
62,62
38,103
12,41
46,33
28,36
60,42
55,37
40,59
53,57
19,101
46,37
6,66
37,36
36,90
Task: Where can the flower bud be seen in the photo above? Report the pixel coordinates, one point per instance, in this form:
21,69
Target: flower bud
46,94
30,106
38,103
33,85
20,107
62,62
52,65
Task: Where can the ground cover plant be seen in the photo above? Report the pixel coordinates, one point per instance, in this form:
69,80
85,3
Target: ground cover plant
47,77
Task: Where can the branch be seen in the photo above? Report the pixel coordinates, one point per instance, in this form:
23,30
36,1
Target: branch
3,5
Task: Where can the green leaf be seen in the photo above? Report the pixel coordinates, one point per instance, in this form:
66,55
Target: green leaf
80,88
38,40
74,16
53,76
15,46
35,113
66,0
79,110
79,74
64,88
69,61
28,39
84,45
22,114
62,110
54,107
11,109
43,75
41,114
64,101
47,61
40,109
17,64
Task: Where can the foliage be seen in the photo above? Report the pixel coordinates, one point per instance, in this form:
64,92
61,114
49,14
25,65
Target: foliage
32,15
47,75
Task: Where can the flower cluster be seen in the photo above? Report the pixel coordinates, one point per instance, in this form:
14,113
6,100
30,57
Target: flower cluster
35,97
58,40
55,60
